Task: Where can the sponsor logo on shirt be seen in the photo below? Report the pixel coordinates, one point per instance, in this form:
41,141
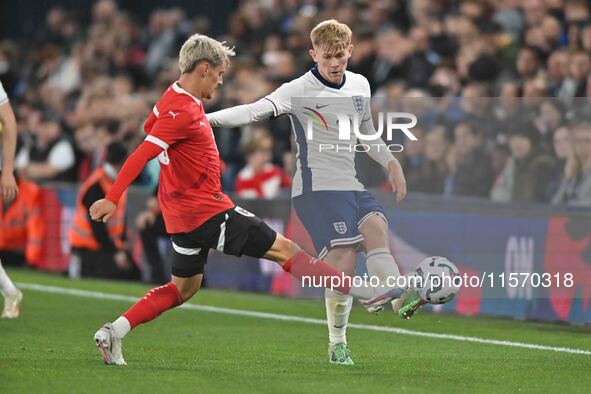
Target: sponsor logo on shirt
243,212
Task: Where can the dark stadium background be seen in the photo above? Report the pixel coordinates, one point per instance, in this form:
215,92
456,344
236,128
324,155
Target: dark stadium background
25,19
487,227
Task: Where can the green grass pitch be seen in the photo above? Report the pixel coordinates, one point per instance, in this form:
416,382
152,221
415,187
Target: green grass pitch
50,349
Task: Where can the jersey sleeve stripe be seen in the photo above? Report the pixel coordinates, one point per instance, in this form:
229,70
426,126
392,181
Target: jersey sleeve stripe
275,110
157,141
155,110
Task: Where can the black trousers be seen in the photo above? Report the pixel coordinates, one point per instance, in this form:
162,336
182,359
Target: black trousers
16,259
149,236
98,264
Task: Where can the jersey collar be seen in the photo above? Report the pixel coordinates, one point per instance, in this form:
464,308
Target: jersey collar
178,89
325,82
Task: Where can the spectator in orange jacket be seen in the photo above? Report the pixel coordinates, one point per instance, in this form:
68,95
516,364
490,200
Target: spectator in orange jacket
21,226
100,249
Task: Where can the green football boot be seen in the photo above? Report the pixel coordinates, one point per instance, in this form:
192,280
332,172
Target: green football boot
339,354
411,302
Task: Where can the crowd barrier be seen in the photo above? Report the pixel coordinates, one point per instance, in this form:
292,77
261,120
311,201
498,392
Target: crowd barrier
498,244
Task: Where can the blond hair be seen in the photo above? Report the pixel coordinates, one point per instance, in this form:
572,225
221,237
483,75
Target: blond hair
331,36
575,166
200,48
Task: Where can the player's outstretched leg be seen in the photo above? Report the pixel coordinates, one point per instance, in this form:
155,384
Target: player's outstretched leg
381,264
308,269
12,296
156,301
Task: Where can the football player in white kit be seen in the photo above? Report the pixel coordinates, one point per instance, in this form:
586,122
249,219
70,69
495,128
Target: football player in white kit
336,210
8,191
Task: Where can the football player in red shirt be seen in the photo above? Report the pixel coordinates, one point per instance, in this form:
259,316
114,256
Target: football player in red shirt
197,214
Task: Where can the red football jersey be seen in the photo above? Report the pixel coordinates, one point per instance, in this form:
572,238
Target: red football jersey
190,191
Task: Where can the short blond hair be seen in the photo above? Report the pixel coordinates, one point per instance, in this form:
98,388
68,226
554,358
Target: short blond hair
331,36
200,48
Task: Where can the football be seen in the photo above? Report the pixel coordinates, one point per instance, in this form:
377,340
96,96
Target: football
438,280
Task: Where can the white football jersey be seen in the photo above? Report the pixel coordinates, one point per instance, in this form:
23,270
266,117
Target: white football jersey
3,95
310,99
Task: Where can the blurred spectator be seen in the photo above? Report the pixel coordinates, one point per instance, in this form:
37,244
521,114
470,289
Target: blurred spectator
50,156
100,74
574,84
100,249
433,170
470,169
260,178
528,171
563,146
150,225
412,157
575,189
23,228
549,118
529,62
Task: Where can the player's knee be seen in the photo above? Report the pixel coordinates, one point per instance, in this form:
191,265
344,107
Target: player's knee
282,249
187,293
342,254
374,227
343,258
187,287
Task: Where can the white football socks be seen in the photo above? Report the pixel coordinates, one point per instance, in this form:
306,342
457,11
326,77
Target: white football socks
381,264
121,327
6,285
338,307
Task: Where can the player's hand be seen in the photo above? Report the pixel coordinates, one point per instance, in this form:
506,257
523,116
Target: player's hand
396,179
121,260
153,205
102,210
145,219
8,186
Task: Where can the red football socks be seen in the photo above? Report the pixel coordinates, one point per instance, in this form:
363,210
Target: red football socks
150,306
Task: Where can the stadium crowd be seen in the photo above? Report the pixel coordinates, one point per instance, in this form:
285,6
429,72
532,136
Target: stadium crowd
500,89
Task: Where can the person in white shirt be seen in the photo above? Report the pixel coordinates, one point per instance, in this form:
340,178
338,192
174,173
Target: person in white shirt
8,192
336,210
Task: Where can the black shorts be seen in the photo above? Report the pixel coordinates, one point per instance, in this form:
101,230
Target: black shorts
235,232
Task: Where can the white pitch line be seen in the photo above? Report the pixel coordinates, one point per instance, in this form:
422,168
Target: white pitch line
299,319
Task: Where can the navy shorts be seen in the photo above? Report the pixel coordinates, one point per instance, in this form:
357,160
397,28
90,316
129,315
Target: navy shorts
332,218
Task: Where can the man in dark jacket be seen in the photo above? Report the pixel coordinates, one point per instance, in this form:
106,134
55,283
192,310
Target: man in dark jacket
529,169
471,172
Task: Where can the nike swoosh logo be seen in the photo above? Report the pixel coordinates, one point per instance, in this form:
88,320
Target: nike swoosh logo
341,326
318,106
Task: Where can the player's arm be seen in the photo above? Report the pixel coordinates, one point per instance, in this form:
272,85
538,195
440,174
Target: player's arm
8,186
275,104
241,115
380,153
104,208
164,131
99,229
